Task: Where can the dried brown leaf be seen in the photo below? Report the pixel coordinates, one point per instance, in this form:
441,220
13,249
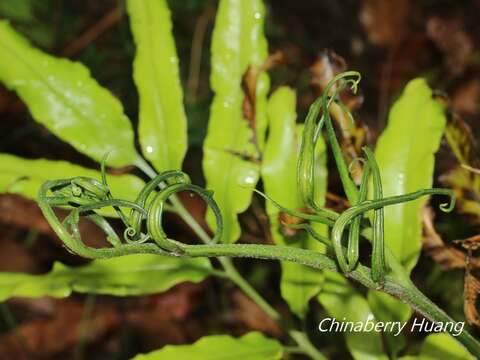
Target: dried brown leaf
461,140
286,220
472,243
249,86
327,65
471,293
448,257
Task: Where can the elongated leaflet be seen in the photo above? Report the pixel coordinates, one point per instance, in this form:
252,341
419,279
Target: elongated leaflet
354,232
378,252
306,158
349,186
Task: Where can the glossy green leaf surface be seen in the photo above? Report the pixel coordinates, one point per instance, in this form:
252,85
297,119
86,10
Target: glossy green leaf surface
24,177
162,126
230,161
252,346
441,346
121,276
405,154
299,283
62,96
342,301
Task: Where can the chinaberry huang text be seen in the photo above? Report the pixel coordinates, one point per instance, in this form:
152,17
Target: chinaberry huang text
330,324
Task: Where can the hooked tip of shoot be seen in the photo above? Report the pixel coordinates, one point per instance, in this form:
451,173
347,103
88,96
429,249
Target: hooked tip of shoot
354,82
129,232
448,207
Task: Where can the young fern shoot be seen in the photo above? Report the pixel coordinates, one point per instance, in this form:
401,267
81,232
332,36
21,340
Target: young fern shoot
144,232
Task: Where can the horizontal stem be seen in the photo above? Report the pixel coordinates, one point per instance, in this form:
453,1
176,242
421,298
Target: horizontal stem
409,295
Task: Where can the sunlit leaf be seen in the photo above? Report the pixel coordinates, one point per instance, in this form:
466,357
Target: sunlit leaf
299,283
252,346
121,276
342,301
24,177
405,154
162,125
231,146
62,96
441,346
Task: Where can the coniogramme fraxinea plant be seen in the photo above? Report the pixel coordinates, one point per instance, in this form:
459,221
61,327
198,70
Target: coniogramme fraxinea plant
143,217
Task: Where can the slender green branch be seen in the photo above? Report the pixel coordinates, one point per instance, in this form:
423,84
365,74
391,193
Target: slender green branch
409,295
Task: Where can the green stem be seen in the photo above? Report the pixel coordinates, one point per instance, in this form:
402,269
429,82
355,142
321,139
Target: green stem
405,292
409,295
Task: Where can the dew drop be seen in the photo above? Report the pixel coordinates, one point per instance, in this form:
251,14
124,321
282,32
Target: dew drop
249,180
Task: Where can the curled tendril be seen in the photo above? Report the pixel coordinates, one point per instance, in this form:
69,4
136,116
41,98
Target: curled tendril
86,197
155,211
132,233
348,215
133,236
143,225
